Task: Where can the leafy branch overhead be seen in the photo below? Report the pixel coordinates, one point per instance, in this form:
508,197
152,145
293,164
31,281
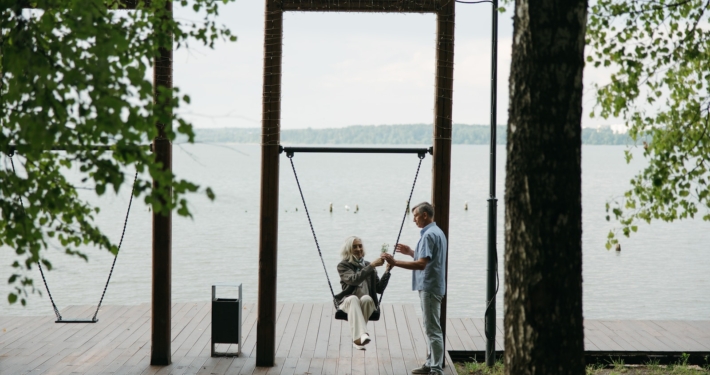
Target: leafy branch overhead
659,52
75,74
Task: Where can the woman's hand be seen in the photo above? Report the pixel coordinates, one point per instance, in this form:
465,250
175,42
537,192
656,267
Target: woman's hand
377,262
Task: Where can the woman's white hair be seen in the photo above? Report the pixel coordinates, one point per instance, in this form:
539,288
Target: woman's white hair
346,253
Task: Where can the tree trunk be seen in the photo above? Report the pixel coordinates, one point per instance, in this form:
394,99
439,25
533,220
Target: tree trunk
543,199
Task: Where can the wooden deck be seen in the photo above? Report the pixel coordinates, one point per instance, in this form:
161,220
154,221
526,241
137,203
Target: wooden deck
309,341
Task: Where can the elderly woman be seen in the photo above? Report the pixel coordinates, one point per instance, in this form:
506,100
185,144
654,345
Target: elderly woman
360,284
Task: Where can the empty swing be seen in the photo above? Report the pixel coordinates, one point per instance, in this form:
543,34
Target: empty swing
94,319
421,153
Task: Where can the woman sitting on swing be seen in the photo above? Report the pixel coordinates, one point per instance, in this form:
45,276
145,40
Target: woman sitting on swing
361,284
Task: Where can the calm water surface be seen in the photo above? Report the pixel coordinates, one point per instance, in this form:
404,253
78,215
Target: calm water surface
662,272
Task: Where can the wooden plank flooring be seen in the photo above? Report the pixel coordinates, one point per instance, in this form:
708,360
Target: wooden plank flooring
309,341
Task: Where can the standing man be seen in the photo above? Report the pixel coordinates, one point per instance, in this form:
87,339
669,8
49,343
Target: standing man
429,279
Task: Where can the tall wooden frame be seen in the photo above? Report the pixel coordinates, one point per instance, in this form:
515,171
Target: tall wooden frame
271,129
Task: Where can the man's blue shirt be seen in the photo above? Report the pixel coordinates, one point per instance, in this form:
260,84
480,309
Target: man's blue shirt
432,245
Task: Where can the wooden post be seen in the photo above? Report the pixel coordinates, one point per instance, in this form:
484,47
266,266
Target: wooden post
160,353
269,204
441,165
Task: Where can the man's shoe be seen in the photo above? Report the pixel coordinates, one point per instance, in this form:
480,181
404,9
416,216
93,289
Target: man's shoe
364,339
358,347
422,370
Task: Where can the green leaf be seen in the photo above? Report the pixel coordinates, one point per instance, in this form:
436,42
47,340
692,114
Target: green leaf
79,76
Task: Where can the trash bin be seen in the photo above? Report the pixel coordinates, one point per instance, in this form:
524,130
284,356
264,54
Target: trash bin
226,320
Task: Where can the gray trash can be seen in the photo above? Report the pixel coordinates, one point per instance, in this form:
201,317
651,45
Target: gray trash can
226,320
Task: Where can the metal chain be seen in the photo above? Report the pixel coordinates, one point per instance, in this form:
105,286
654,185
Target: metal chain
22,206
290,157
406,210
416,175
125,223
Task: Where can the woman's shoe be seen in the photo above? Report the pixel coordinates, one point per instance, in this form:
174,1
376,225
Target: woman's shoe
358,347
364,339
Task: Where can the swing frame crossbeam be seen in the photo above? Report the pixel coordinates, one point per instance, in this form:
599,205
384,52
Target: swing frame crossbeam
421,152
12,148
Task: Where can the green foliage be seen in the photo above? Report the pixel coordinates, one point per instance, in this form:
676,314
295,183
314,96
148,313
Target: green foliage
613,367
659,52
75,74
481,368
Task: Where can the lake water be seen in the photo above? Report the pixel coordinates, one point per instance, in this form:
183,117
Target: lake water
662,272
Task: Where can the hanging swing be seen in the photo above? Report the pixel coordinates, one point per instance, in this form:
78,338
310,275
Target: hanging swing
94,319
421,153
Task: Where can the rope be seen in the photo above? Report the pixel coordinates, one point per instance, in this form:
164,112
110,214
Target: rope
290,158
310,223
404,217
125,223
54,306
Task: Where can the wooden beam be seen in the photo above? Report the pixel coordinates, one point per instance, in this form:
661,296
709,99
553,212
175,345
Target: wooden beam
160,353
269,204
395,6
441,165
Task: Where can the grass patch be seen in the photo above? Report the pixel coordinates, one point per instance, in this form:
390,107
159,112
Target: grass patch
614,366
480,368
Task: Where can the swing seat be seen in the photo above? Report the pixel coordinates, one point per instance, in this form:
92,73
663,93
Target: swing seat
342,315
76,320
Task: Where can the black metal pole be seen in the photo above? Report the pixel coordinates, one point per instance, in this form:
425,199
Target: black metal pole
358,150
490,316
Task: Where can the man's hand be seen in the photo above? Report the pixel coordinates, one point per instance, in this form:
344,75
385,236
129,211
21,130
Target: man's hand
404,249
389,258
377,262
418,264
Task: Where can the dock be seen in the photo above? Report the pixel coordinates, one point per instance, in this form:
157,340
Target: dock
309,341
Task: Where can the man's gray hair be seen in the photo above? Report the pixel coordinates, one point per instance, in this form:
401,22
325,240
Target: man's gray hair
425,207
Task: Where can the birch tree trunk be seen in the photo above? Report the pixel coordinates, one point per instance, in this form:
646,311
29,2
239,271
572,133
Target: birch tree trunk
543,199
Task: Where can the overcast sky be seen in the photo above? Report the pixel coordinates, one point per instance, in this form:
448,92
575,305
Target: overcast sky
343,69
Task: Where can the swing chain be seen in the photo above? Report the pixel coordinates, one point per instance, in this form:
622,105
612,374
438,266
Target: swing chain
123,232
406,210
22,206
290,158
125,223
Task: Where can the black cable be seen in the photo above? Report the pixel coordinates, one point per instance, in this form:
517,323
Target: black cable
490,303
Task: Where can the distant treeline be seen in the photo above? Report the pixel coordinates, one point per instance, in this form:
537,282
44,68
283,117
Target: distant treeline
417,134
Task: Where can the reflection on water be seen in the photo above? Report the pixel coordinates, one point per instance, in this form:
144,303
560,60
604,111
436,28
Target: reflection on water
661,273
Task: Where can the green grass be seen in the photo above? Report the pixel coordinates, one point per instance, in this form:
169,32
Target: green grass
614,366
